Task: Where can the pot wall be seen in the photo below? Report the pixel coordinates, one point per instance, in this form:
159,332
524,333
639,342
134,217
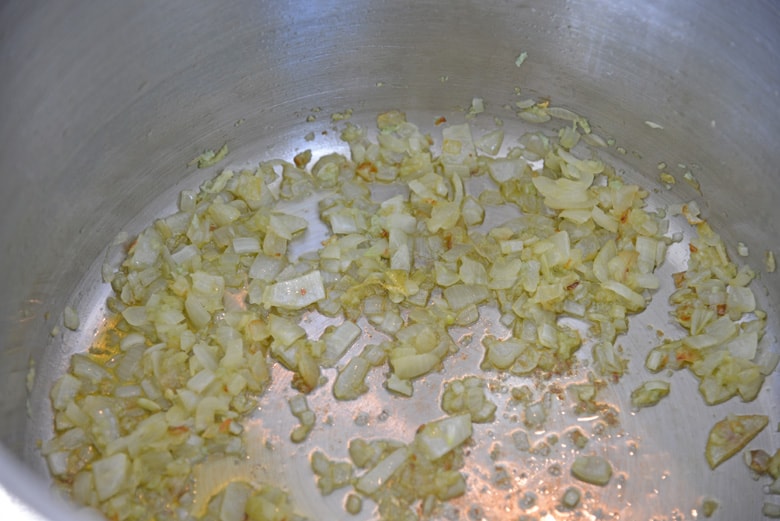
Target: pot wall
104,104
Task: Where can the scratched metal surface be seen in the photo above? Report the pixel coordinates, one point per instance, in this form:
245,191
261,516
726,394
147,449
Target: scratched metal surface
111,141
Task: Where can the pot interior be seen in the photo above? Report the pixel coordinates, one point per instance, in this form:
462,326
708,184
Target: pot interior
106,106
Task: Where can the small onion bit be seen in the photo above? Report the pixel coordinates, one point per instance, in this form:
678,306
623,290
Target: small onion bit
209,297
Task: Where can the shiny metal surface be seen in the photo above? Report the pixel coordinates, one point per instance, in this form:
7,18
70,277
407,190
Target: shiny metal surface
103,106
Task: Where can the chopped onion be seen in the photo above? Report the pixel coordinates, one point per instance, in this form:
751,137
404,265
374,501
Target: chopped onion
337,341
458,149
490,143
441,436
506,169
399,385
460,296
468,396
295,293
377,476
634,299
649,393
771,510
246,244
413,365
592,469
70,318
350,382
110,474
730,435
208,298
744,346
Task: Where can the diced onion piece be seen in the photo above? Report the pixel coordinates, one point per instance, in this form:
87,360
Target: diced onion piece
89,370
439,437
467,395
338,340
444,216
70,318
600,263
350,382
413,365
458,148
295,293
490,143
207,285
135,315
730,435
511,246
744,346
58,463
633,298
709,506
146,249
472,272
196,311
505,169
563,194
577,216
398,385
284,330
534,114
286,226
64,391
460,296
647,281
604,220
592,469
200,381
771,510
265,268
110,474
473,213
649,393
246,245
206,410
477,106
372,480
767,360
501,354
223,214
740,300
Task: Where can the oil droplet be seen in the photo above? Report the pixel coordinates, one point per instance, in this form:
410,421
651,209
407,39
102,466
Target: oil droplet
527,501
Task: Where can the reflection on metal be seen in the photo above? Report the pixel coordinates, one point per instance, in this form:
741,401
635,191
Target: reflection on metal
12,508
105,150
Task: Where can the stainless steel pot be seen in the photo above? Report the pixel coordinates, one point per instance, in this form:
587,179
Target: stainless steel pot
104,104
